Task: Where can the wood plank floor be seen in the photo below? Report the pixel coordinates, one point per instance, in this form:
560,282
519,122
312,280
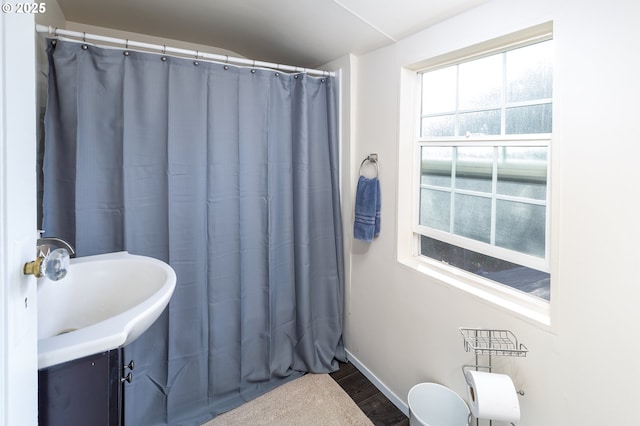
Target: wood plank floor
371,401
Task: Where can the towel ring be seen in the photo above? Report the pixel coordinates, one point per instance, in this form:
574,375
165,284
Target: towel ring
371,159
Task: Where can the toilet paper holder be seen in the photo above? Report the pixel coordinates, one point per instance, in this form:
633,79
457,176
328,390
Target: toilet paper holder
490,342
519,392
471,390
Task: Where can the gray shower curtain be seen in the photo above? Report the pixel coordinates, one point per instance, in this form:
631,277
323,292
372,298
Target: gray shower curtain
228,174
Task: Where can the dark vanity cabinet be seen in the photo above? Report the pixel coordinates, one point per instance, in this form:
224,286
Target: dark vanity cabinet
87,391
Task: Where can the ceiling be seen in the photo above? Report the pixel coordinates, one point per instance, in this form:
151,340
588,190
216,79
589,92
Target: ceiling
307,33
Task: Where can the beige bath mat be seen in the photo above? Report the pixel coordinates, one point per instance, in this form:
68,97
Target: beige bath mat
311,400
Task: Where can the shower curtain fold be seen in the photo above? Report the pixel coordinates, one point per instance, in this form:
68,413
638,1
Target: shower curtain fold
228,174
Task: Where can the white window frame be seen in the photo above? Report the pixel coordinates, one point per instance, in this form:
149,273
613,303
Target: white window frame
526,306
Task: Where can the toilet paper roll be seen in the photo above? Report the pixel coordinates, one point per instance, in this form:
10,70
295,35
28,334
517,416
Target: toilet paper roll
492,396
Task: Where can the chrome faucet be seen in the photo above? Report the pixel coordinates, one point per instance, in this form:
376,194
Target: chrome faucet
44,245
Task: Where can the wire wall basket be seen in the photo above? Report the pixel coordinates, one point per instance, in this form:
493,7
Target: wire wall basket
482,341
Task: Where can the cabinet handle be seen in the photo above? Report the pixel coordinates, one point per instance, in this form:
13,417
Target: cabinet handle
127,378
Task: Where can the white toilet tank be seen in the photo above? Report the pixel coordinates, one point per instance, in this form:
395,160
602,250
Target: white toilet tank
431,404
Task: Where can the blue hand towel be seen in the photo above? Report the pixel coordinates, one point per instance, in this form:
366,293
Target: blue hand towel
367,213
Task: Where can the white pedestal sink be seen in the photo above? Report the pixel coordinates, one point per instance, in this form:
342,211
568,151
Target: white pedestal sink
104,302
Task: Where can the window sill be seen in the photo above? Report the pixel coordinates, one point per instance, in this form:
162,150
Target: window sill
528,307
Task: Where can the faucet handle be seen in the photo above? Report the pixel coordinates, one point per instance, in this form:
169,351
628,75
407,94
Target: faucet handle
54,265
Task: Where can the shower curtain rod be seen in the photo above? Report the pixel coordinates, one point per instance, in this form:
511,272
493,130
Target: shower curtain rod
178,51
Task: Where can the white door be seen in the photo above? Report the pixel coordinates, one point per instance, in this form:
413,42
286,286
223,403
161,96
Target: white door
18,304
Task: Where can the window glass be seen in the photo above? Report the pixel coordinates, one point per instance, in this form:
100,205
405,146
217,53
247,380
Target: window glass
522,171
442,125
528,119
529,72
520,227
481,83
435,209
472,217
439,91
474,168
436,166
479,123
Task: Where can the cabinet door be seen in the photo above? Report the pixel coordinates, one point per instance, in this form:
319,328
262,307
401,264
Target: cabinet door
82,392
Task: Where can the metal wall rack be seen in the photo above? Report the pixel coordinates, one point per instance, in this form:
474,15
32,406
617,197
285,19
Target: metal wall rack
483,341
490,342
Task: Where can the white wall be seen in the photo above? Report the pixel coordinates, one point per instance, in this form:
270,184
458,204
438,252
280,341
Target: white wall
403,326
127,35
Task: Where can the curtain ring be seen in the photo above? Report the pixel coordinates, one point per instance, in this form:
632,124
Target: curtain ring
84,37
164,49
54,32
226,61
197,54
126,44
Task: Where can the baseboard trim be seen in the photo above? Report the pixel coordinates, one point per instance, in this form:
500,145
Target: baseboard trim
402,406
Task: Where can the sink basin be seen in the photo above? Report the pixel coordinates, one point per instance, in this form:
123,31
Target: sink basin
105,302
